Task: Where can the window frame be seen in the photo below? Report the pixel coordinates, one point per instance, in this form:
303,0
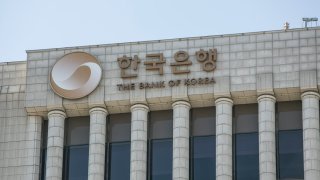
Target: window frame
191,138
149,142
66,146
108,144
234,133
108,157
43,152
66,162
277,130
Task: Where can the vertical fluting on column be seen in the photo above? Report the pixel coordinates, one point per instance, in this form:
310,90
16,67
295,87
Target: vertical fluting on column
311,140
55,145
224,139
96,168
181,140
267,138
139,142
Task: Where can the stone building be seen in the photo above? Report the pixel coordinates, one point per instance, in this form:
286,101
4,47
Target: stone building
238,106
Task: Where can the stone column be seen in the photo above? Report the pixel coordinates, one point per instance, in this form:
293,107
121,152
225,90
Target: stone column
139,142
55,145
311,140
97,145
267,138
33,135
224,139
181,140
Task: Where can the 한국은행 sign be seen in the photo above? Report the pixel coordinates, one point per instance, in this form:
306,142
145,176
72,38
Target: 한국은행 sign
156,62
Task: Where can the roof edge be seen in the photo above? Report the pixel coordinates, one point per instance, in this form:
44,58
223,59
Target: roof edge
170,39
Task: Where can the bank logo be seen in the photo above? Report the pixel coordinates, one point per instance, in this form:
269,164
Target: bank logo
75,75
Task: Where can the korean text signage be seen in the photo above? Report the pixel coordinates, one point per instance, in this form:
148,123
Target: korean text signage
77,74
129,66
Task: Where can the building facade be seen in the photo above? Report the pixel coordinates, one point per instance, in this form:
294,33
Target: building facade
239,106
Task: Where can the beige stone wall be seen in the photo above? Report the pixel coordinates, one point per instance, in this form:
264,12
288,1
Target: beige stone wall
249,64
19,136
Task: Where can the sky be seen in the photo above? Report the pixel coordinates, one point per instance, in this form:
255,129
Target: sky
40,24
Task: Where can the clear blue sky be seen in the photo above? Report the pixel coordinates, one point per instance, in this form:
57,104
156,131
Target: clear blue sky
39,24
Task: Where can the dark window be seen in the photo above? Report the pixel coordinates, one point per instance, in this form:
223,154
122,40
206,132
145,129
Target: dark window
76,153
246,142
246,118
119,156
289,115
44,150
290,140
161,159
203,121
119,127
43,163
161,124
203,144
160,146
204,158
290,154
247,156
118,147
77,162
77,131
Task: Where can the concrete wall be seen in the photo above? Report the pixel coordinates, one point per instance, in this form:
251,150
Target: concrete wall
249,64
19,136
275,62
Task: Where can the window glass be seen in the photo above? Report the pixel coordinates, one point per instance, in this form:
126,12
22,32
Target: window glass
120,127
291,154
44,134
290,140
44,150
246,118
43,164
161,159
161,124
289,115
77,130
246,142
77,162
247,156
204,161
118,148
160,145
203,121
76,151
119,156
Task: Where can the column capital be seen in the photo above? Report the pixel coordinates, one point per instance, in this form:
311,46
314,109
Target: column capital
181,103
57,113
139,106
223,100
99,109
310,93
266,96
